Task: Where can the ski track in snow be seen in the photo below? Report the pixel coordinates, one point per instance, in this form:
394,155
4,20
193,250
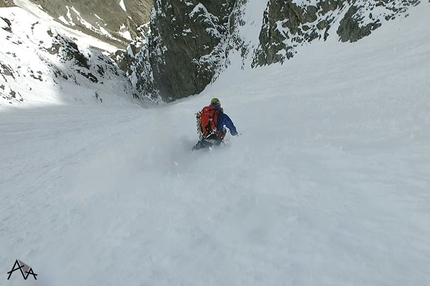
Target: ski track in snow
327,185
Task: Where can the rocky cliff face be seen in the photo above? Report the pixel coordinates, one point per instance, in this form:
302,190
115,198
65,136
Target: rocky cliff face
289,24
113,21
6,3
191,40
184,49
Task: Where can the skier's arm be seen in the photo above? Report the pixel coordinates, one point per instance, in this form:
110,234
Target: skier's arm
224,120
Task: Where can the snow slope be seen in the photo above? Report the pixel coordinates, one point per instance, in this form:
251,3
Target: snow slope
327,185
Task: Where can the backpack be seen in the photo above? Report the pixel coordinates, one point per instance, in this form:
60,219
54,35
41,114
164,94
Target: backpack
207,121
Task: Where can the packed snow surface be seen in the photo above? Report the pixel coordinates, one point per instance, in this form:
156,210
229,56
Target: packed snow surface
328,183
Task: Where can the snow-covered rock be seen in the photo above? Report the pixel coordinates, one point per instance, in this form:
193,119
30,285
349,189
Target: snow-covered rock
114,21
290,24
191,41
39,63
184,49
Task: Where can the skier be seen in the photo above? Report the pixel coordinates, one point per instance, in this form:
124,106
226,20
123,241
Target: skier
211,125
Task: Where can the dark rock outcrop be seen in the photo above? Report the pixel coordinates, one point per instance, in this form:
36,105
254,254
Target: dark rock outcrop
287,25
7,3
360,20
184,48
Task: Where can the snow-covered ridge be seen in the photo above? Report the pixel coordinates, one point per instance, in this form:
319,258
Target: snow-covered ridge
40,64
113,21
